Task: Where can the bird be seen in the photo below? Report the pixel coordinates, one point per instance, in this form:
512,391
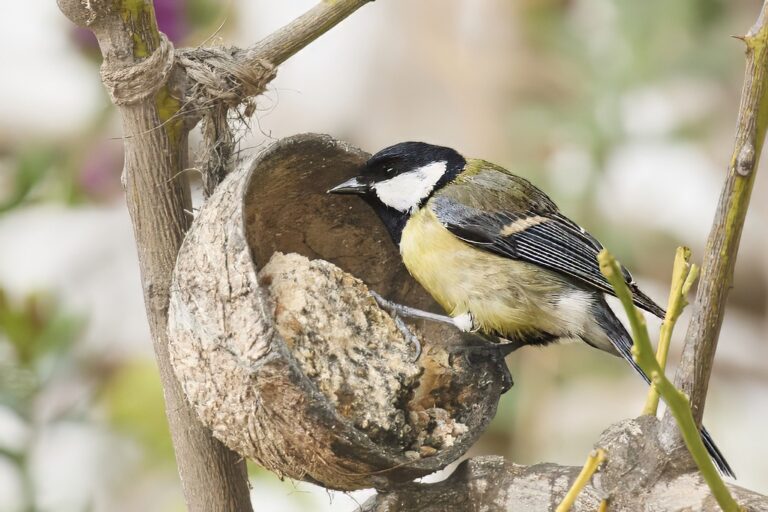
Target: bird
496,253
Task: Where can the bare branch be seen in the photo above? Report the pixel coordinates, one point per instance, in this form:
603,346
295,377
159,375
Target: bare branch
723,244
277,47
136,68
227,77
494,485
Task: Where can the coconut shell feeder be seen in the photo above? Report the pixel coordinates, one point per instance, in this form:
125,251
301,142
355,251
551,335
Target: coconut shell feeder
283,352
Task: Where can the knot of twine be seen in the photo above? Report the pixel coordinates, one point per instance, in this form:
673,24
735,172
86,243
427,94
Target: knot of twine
222,75
135,83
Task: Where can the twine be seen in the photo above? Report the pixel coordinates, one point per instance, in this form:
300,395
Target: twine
221,80
222,75
132,84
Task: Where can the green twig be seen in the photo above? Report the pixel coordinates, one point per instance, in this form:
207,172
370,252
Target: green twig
683,276
596,457
677,402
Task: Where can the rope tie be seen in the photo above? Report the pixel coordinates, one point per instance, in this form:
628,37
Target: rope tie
221,81
132,84
222,75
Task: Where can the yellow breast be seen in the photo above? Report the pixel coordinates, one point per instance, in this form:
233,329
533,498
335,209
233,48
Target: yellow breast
503,295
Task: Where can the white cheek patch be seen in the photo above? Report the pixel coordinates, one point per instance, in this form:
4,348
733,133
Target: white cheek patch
405,191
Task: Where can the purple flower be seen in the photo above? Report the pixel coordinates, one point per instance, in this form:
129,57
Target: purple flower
172,19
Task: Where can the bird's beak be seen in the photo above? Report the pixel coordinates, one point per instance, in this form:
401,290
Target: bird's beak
352,186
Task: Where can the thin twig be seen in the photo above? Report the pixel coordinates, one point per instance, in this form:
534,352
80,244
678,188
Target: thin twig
595,458
677,401
277,47
723,244
683,276
248,71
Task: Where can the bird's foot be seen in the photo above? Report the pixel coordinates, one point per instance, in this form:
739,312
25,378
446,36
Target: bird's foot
490,347
501,365
397,311
408,335
393,308
464,322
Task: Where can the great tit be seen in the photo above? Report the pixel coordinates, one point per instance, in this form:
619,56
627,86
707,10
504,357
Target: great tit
496,253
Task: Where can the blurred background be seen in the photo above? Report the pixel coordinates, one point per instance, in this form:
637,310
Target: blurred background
623,111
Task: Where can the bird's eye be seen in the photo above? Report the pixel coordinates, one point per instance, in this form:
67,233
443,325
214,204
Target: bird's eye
389,170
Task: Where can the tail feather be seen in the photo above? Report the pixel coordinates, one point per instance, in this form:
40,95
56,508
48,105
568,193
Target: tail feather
622,342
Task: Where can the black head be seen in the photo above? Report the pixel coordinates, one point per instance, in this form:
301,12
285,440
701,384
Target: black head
399,179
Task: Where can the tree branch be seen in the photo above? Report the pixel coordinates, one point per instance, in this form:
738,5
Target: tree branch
636,476
213,477
156,90
282,44
492,484
229,76
595,458
222,79
723,244
684,275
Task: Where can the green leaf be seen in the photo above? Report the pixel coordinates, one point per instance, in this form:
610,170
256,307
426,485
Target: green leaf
32,166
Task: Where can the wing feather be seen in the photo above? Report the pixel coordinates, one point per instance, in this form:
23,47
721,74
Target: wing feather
543,237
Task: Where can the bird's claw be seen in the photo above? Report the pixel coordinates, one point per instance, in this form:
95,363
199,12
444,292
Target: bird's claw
395,310
408,335
386,305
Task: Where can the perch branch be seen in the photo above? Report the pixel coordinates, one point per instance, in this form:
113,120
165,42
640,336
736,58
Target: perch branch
136,67
723,244
495,485
676,400
684,274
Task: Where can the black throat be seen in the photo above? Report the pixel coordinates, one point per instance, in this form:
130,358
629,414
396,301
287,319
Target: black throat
395,220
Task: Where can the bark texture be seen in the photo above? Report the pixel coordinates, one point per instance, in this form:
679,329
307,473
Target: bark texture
136,71
638,476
